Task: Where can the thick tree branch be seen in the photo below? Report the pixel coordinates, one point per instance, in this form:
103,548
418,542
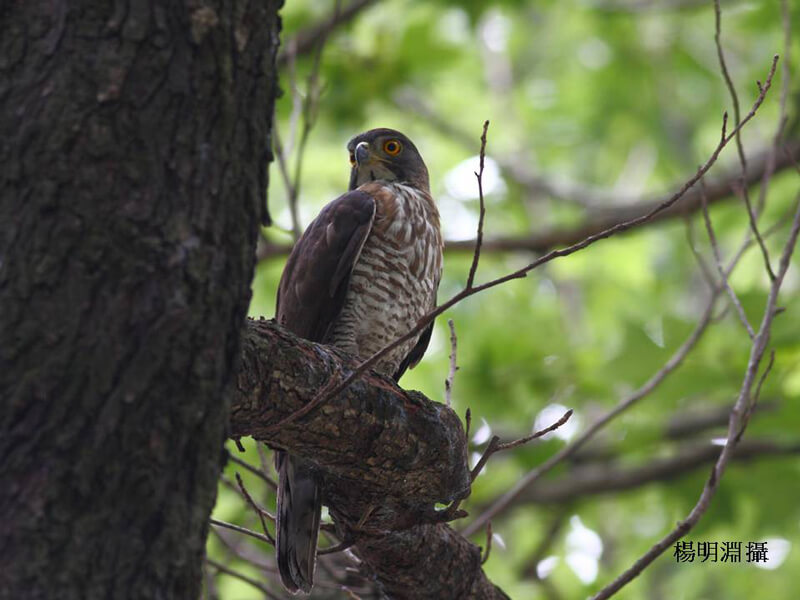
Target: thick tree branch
385,456
594,479
688,424
388,441
304,41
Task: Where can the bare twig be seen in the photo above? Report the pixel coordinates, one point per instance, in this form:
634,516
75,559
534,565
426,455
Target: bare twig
677,358
479,238
308,106
340,547
257,472
448,383
496,446
520,273
259,511
524,440
305,41
721,269
751,406
598,202
770,166
490,449
236,488
751,215
242,577
244,530
701,262
291,192
260,563
718,189
736,425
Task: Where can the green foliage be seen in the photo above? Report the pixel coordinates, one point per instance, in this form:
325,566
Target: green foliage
621,101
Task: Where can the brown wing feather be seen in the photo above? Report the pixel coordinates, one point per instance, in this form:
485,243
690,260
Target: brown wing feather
315,280
310,297
416,354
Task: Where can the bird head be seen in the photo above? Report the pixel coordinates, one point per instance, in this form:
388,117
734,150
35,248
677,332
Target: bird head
386,155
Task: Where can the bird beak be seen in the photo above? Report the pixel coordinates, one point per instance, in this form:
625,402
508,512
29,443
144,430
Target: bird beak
362,153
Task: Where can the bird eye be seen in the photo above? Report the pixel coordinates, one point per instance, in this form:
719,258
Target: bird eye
352,159
392,147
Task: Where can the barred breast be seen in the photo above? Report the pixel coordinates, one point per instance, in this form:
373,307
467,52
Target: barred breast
394,281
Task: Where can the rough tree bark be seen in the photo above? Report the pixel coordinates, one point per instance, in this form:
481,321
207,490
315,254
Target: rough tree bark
133,151
133,145
386,454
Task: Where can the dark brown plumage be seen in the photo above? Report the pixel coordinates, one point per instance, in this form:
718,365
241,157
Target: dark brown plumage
363,273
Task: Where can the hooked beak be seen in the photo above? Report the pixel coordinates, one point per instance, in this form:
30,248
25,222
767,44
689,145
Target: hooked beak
362,154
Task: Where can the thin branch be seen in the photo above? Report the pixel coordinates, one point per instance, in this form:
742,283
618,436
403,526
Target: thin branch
717,190
520,273
677,358
257,472
309,108
451,374
490,449
736,425
496,446
598,202
524,440
479,238
691,239
751,215
340,547
244,530
721,269
242,577
770,166
259,511
753,400
260,563
238,490
291,192
306,39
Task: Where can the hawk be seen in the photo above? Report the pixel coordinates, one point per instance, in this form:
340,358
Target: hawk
362,275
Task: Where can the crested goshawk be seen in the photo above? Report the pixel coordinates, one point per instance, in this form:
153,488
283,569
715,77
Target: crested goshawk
362,275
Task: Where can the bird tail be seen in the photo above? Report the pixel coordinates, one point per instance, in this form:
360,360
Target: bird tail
298,514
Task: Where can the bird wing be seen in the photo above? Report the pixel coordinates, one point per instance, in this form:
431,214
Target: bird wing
417,352
314,283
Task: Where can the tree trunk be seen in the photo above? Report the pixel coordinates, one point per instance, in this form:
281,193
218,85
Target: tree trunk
133,151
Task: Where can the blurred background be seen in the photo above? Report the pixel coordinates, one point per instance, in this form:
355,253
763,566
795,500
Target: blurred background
598,108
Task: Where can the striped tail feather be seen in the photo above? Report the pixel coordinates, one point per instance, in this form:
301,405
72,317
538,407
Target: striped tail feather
297,528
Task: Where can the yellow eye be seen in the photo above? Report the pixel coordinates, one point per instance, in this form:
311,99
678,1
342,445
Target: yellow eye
352,159
392,147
